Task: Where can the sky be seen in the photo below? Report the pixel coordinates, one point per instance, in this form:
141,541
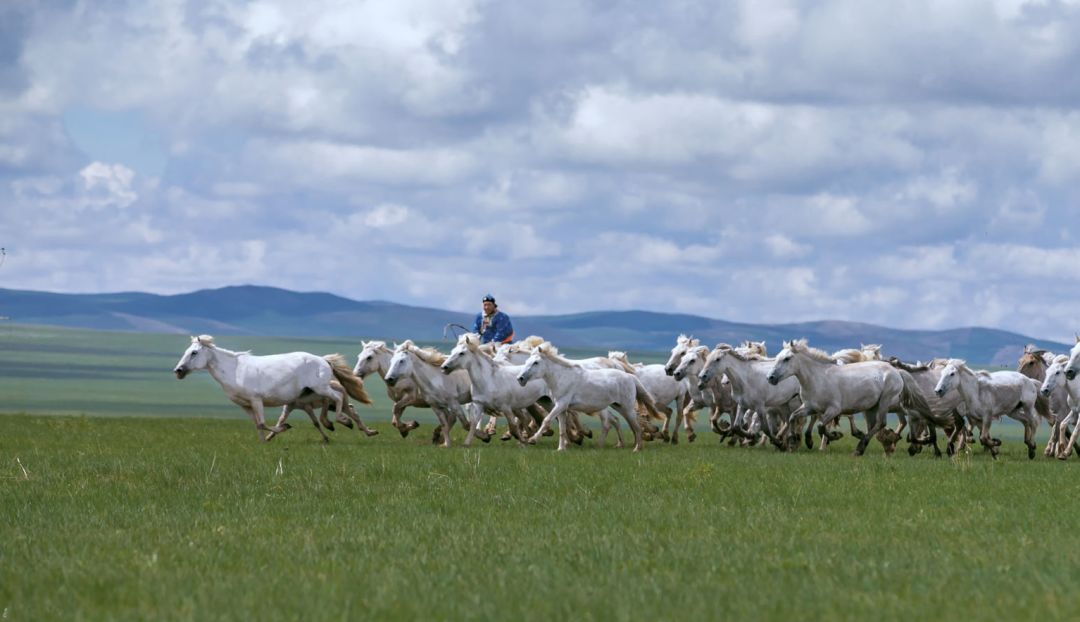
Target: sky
912,164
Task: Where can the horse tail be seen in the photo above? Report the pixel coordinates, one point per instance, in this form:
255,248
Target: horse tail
354,386
645,401
912,397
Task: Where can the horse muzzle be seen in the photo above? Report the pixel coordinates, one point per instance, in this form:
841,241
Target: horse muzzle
669,371
939,392
180,372
445,370
773,379
1045,392
701,385
1070,374
390,380
522,380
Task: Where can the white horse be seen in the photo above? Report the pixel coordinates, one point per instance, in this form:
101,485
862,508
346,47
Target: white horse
716,395
988,396
254,382
748,374
829,390
444,393
576,387
375,358
663,388
1056,381
494,385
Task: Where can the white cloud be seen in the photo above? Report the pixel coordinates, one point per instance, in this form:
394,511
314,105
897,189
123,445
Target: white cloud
757,161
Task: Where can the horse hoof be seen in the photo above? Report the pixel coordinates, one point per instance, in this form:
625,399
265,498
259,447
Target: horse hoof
690,437
372,432
549,432
674,440
911,450
486,439
329,426
347,424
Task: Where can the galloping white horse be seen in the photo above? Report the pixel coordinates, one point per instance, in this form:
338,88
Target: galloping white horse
1056,380
375,358
748,374
576,387
830,390
989,396
494,385
254,382
444,393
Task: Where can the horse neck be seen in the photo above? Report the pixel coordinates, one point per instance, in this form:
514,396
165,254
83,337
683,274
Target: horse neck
557,375
968,385
735,370
382,362
481,369
423,374
222,366
811,372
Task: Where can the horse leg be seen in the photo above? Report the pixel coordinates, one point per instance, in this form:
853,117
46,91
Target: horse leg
984,436
399,409
260,419
546,423
856,432
631,419
875,423
281,424
324,419
449,418
315,422
515,425
349,410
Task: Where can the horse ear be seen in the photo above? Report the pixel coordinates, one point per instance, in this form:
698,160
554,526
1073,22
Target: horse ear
1078,338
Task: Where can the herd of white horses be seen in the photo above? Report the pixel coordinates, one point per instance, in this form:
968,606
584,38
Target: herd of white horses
752,399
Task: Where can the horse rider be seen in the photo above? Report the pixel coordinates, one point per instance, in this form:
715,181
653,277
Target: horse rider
492,324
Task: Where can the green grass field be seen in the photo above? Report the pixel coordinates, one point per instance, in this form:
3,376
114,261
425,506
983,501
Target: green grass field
189,517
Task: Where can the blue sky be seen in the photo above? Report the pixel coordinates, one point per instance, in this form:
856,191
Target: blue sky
911,165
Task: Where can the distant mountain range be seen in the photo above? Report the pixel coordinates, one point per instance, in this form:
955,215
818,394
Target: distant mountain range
255,310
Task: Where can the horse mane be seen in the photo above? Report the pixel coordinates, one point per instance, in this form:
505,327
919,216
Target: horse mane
873,350
472,342
530,342
689,342
1061,359
962,366
374,345
909,367
204,340
431,356
551,353
621,359
743,353
847,355
800,346
755,347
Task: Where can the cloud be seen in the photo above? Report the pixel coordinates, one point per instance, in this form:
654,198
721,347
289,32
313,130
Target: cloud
909,164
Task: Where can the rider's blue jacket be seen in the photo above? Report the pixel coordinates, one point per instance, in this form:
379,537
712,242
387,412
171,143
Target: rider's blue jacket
500,330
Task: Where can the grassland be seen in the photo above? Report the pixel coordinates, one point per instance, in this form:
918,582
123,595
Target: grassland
182,517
